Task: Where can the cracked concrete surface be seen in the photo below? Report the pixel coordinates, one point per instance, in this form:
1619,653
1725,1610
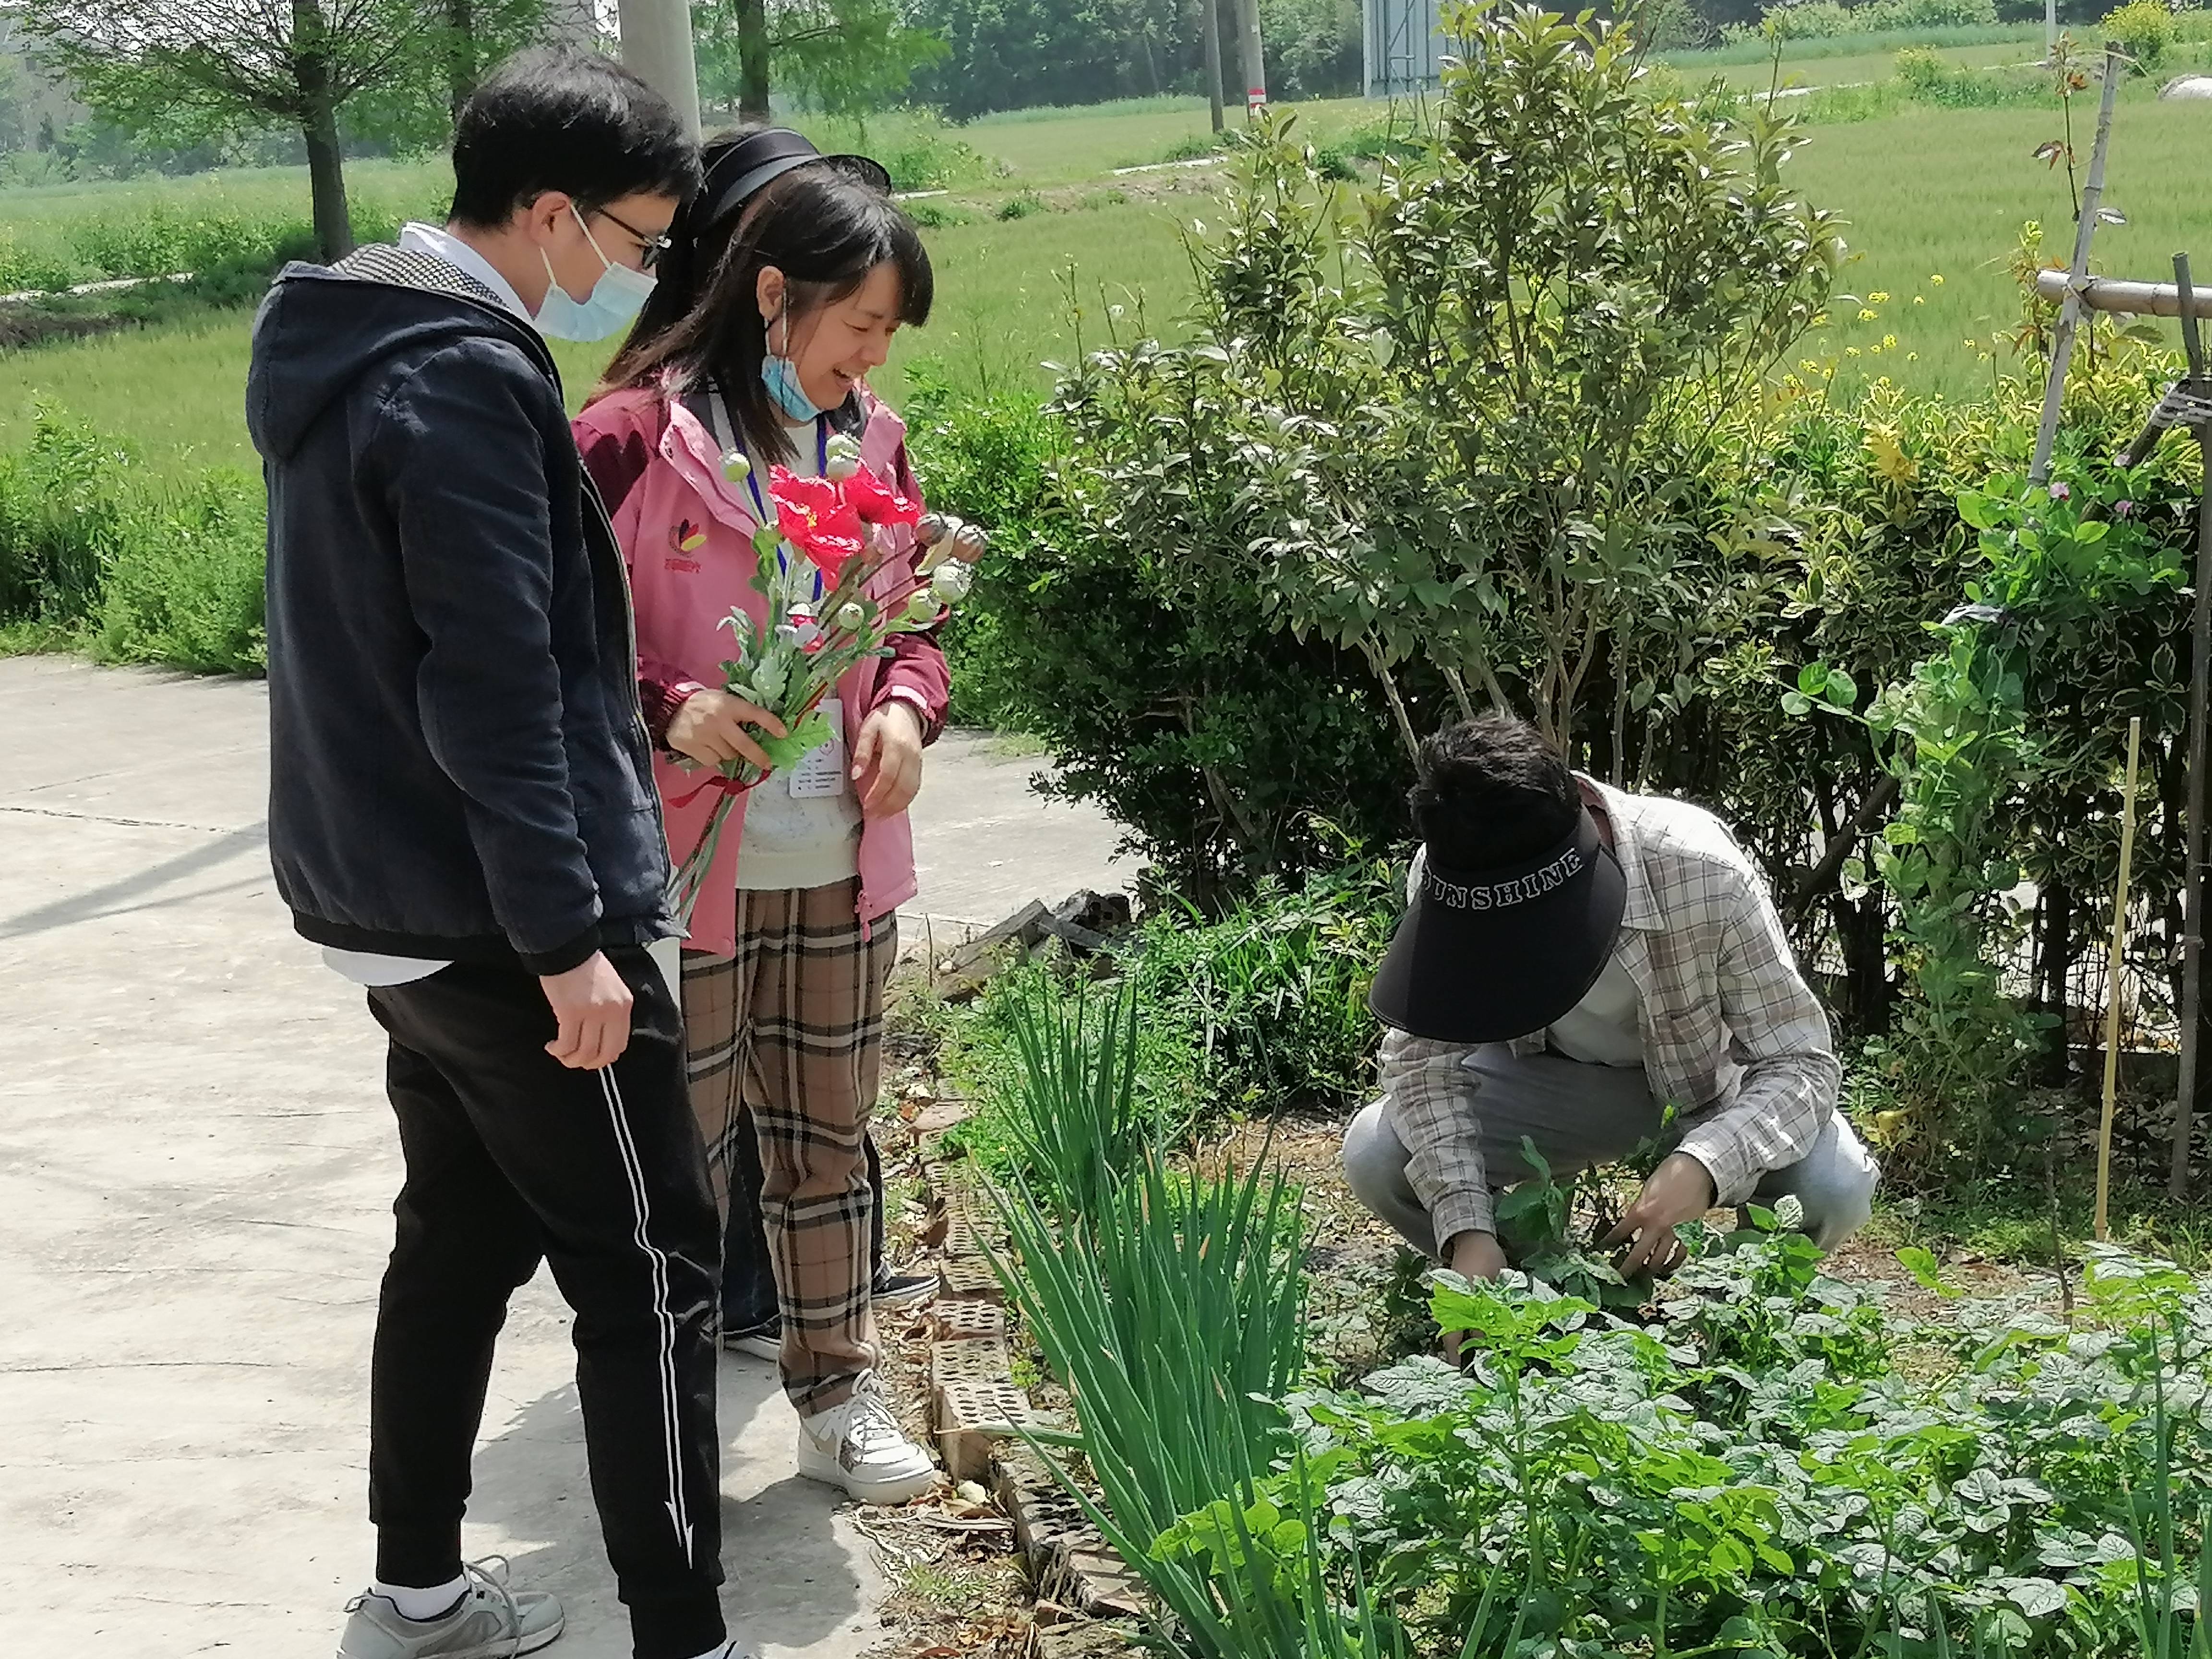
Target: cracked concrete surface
196,1175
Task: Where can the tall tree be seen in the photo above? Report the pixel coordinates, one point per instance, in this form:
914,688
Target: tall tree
177,67
841,57
414,106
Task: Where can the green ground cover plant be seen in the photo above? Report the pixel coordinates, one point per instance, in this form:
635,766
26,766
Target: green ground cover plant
1753,1459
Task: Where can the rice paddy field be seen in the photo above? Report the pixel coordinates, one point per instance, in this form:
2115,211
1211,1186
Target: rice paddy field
1040,242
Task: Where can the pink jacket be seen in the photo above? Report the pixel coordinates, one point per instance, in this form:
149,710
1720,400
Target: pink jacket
659,470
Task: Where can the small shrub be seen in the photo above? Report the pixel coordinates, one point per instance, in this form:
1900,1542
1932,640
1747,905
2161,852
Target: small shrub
1198,147
185,585
1275,992
2144,29
937,215
64,511
1022,206
1340,158
91,555
929,161
25,271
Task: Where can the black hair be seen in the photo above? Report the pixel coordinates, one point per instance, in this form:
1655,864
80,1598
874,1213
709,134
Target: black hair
1492,792
825,230
694,249
573,121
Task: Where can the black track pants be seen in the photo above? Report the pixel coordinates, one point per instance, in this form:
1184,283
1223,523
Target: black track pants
511,1157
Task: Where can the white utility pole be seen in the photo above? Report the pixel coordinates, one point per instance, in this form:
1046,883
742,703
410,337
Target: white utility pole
656,46
1255,64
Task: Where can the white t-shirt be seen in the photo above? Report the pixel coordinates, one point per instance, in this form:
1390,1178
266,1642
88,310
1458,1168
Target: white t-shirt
1605,1028
789,840
370,967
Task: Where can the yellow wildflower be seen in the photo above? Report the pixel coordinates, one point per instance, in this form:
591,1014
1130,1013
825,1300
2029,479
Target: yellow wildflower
1878,297
1865,315
1890,460
1936,281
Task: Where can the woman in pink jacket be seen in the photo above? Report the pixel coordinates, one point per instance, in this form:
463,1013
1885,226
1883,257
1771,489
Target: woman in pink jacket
794,933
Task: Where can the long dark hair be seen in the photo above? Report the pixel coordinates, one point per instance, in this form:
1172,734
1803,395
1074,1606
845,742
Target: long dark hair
825,231
695,247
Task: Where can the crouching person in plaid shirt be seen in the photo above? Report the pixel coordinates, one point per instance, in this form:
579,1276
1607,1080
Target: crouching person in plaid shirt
1575,958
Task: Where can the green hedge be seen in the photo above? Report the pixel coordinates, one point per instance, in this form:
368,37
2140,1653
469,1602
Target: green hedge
95,557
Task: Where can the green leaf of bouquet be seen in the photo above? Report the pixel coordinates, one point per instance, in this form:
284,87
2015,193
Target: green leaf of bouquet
786,752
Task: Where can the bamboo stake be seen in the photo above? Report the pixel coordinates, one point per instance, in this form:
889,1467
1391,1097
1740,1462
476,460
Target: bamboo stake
2069,314
2112,981
2200,694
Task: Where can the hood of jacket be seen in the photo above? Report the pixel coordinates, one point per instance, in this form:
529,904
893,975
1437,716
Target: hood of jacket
323,327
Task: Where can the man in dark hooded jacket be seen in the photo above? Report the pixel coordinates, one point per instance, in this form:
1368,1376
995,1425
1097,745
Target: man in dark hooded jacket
462,814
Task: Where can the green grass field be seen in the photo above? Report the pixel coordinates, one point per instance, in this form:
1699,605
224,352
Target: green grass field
1926,193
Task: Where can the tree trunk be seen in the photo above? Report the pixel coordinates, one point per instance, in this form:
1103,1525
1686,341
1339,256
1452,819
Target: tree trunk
1209,34
753,61
319,125
460,53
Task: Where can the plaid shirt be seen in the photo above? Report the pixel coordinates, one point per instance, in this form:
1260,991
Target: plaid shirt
1733,1036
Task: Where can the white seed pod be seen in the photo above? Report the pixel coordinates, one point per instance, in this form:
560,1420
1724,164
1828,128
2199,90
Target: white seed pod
952,581
930,529
736,466
841,467
842,447
851,617
970,541
922,606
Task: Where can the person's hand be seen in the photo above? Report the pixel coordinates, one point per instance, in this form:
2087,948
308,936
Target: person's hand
593,1006
1473,1256
1681,1189
711,729
887,759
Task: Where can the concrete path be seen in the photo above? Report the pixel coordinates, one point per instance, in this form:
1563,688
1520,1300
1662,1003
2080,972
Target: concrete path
195,1173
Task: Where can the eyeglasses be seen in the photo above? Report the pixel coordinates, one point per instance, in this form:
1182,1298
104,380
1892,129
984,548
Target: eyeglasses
650,248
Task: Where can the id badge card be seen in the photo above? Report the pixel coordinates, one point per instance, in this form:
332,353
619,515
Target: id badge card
822,773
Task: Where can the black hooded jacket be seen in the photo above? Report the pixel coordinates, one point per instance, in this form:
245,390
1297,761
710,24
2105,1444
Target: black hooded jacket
458,768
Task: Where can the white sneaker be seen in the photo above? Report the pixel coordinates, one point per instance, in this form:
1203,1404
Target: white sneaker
860,1447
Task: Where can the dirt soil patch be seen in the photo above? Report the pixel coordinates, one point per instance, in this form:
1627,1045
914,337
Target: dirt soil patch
34,324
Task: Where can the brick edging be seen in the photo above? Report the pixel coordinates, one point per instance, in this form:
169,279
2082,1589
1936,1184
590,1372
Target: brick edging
975,1408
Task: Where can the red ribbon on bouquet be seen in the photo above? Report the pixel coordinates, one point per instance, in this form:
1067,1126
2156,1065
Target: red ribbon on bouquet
721,781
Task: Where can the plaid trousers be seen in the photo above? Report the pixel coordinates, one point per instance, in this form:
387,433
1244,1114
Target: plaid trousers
791,1030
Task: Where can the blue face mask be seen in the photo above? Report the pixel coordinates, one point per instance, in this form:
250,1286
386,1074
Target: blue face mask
614,301
781,376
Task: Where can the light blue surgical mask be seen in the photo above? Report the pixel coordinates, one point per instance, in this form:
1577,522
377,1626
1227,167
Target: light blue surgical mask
614,301
781,376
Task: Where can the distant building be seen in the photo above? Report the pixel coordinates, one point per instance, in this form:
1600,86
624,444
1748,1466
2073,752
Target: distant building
1404,45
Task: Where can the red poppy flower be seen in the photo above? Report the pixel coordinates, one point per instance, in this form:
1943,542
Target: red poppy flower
815,517
877,503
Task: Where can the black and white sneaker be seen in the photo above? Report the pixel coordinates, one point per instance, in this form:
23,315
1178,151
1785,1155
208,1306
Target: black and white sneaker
893,1290
763,1341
